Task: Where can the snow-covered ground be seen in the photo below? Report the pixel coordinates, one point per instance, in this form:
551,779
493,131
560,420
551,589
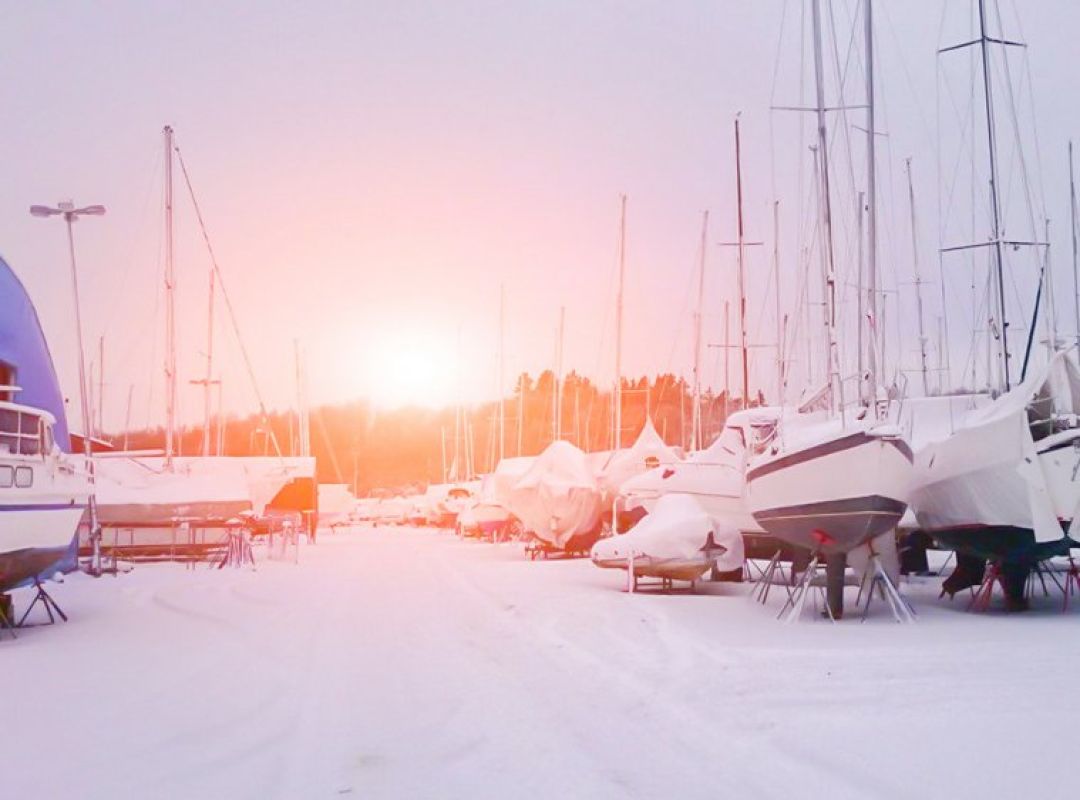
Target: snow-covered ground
402,663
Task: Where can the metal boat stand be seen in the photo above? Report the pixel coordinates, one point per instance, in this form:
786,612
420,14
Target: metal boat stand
47,601
877,577
1040,570
767,577
793,608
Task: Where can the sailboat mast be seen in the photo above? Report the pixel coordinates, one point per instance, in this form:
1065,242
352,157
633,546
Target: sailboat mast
918,282
1051,312
695,416
502,372
170,305
860,290
742,274
826,213
1076,271
779,315
871,206
616,416
559,374
208,379
101,387
995,212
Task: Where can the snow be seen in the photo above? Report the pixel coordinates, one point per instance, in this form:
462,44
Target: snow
406,663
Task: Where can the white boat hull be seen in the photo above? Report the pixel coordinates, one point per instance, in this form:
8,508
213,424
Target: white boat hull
833,495
37,525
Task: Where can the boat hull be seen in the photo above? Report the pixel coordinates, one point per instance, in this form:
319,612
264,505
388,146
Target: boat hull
33,538
990,511
834,495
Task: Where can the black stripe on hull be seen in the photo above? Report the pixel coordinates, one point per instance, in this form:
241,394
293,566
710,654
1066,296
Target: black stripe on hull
828,448
21,565
846,523
1002,543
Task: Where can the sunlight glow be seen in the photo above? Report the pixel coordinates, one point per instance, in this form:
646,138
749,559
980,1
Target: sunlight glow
411,372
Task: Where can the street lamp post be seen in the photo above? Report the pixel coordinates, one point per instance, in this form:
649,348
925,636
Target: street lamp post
71,214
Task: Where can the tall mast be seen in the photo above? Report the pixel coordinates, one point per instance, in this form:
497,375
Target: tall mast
127,415
779,315
742,274
208,378
918,282
826,213
101,387
1076,271
995,213
521,414
303,417
871,205
1051,313
556,383
170,305
502,364
616,437
695,414
860,290
727,359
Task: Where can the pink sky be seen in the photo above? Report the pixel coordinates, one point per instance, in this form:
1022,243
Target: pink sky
371,173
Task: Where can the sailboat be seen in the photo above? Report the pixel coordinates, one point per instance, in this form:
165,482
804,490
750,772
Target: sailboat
44,489
714,477
1002,486
142,497
648,452
834,478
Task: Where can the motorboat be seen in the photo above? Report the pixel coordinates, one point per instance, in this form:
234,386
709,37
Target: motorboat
44,488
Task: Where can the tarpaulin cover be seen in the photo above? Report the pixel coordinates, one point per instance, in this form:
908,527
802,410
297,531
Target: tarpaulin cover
676,531
647,452
558,497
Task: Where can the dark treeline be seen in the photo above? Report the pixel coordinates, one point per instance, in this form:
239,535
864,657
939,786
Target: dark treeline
355,444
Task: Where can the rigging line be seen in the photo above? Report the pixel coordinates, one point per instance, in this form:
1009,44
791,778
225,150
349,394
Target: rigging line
926,130
228,301
772,99
1035,129
676,340
1024,180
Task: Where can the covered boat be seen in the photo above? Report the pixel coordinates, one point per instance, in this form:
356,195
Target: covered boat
1003,485
558,499
713,476
679,540
648,452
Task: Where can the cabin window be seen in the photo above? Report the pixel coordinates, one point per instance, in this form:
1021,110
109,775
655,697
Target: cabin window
24,477
9,431
20,433
762,435
29,434
7,477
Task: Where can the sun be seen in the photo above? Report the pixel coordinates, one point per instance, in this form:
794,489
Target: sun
411,372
